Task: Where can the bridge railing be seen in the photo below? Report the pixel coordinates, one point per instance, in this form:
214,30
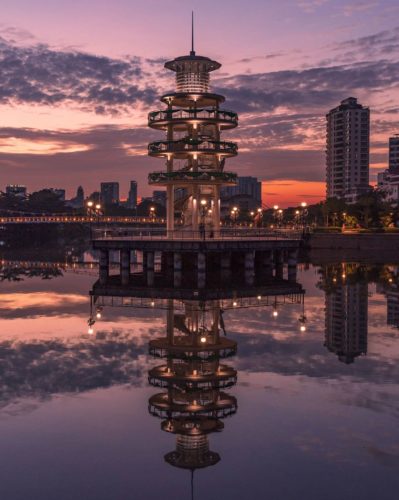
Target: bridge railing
224,234
80,219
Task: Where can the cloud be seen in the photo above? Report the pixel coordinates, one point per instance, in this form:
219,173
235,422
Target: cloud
312,88
383,43
37,74
311,6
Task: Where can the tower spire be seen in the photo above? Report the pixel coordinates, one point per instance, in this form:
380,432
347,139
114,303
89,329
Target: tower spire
192,53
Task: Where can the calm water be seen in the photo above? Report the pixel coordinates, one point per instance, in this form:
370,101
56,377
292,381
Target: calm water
313,414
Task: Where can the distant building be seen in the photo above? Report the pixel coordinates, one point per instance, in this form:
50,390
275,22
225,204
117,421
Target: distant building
394,154
132,196
346,314
159,197
60,193
388,184
348,144
110,193
78,200
247,185
16,190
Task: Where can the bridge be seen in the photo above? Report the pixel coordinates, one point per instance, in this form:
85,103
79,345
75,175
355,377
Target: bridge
79,219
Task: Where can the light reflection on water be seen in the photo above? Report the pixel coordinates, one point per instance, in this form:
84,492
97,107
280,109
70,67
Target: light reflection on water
315,411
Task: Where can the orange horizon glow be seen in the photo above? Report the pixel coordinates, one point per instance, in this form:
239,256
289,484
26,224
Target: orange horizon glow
290,192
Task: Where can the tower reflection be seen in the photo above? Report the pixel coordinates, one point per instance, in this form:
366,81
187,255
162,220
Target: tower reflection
194,379
194,375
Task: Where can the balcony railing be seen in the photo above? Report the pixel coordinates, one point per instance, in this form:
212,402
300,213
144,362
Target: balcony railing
192,114
210,176
192,145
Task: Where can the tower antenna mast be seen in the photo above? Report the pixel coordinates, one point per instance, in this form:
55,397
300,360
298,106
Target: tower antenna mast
192,53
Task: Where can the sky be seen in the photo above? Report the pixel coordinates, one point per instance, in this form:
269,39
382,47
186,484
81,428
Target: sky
78,78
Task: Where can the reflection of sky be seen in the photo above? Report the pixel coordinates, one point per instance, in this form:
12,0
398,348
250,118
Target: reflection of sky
74,415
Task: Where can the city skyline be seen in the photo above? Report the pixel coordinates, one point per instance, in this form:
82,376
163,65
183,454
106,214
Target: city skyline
56,128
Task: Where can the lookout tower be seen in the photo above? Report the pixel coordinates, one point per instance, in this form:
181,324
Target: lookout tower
195,154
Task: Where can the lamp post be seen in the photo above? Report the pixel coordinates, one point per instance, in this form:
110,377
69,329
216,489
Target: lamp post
304,213
152,212
275,214
259,216
89,206
234,215
203,212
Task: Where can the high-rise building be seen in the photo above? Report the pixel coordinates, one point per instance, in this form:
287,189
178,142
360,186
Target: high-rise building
132,196
16,190
348,141
394,154
388,180
110,193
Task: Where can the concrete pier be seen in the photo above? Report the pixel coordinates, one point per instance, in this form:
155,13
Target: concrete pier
104,266
124,266
292,265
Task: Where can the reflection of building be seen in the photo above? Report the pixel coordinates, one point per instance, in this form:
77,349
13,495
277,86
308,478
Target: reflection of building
194,379
109,193
193,375
346,321
348,131
393,307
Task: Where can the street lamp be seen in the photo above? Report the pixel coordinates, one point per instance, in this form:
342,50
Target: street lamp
203,211
304,213
234,214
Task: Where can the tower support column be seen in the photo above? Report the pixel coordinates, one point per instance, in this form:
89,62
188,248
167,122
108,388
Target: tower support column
170,210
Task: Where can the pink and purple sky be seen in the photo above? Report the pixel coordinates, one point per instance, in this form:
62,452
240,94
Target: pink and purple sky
78,78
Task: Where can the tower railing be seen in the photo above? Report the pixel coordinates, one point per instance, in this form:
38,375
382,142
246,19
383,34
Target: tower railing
192,114
194,145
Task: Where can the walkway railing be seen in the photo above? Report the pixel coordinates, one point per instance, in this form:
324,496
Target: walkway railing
223,234
80,219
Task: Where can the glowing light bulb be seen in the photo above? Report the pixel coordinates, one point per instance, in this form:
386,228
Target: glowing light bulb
90,331
275,313
303,328
203,340
98,315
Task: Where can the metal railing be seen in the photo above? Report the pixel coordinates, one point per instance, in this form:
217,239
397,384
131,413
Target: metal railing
204,235
182,175
182,146
192,114
76,219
